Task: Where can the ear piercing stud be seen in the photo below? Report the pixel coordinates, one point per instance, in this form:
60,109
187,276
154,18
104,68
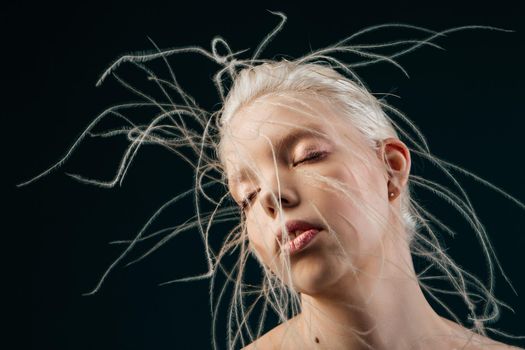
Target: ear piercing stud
391,194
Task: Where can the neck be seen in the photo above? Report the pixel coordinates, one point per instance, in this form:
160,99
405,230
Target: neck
387,311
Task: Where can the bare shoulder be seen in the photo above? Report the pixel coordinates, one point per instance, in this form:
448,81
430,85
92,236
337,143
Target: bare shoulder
488,344
266,341
463,338
273,339
479,342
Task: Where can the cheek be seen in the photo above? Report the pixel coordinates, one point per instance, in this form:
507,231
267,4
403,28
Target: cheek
260,241
366,185
368,211
358,214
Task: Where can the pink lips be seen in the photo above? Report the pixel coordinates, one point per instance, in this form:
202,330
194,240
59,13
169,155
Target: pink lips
302,240
309,231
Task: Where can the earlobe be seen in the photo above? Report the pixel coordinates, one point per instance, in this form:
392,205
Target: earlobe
392,190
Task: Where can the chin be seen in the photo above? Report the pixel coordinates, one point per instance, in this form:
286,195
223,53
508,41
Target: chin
313,276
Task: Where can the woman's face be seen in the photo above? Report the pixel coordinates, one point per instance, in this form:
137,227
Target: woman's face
323,172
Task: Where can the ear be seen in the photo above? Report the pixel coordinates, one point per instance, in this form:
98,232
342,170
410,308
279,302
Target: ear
396,157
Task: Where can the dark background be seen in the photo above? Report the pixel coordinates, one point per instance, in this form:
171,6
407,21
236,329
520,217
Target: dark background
467,100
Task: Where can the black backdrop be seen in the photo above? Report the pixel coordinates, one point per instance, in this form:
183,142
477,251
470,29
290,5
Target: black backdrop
467,100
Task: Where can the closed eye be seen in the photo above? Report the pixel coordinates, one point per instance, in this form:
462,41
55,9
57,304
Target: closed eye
313,155
245,203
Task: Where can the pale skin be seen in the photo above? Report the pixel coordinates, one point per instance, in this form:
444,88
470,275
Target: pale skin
357,282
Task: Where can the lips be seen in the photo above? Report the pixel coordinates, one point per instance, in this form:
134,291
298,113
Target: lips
300,234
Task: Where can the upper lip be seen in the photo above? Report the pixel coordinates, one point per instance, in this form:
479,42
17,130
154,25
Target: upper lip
295,225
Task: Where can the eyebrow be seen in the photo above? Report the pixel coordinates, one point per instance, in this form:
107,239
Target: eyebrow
289,140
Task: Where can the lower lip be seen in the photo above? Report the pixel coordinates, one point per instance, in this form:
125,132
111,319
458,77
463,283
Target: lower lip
301,241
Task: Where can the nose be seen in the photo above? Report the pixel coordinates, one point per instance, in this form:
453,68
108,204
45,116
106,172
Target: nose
279,191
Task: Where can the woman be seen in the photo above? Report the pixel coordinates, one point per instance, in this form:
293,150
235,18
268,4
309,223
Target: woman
322,179
321,182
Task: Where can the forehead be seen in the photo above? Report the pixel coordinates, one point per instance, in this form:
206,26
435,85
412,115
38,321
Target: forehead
275,114
272,122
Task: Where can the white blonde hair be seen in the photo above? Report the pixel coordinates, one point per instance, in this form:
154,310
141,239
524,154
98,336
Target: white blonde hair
354,101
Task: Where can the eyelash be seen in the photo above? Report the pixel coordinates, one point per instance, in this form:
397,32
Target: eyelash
313,155
246,202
